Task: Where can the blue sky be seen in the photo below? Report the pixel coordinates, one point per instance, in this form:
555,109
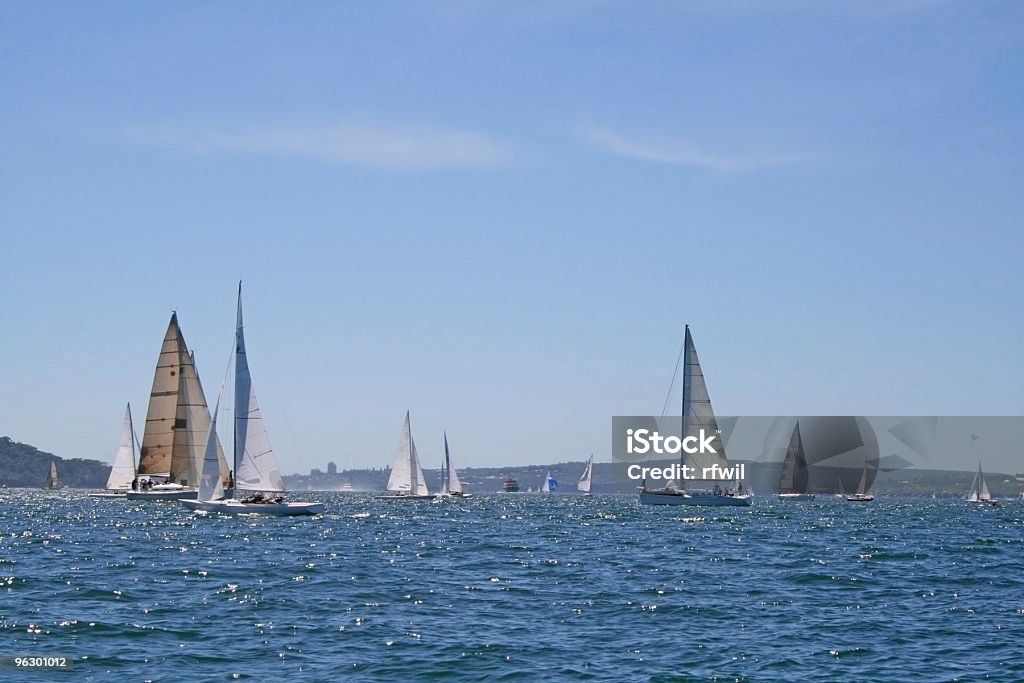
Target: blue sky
499,215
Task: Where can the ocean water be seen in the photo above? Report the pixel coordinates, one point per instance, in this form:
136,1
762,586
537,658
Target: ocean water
513,587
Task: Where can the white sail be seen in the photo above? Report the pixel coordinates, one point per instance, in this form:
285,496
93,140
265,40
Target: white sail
584,483
862,486
546,486
697,411
406,473
51,481
255,465
451,478
210,485
123,470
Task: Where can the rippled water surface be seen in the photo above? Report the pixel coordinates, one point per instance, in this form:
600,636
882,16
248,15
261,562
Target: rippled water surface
514,587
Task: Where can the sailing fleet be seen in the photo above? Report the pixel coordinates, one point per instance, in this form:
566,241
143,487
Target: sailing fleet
181,457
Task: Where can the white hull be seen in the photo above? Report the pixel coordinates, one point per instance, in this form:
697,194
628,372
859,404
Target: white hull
860,498
237,507
399,496
796,496
109,494
180,494
694,498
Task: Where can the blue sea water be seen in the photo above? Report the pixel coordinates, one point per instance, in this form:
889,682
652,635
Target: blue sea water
514,587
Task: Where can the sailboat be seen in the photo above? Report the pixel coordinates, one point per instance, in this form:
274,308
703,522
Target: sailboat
256,469
979,490
177,425
862,495
122,473
584,483
450,484
51,479
793,485
407,481
698,414
549,484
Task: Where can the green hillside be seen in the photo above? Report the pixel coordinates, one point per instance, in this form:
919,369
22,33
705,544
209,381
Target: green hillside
22,465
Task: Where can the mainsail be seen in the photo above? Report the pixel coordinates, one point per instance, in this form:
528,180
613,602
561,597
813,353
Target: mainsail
794,470
450,479
406,473
255,465
51,481
584,483
698,414
123,470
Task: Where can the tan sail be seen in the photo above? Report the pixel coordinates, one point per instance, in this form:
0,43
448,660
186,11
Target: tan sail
158,437
178,422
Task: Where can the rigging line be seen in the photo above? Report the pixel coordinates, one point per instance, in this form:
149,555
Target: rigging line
672,385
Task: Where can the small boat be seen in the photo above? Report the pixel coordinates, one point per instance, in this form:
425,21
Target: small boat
549,484
795,476
697,415
584,483
177,425
451,487
979,491
52,482
862,495
509,486
407,481
122,472
256,466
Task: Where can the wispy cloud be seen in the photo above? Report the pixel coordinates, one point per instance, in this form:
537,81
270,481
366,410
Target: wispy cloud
397,148
682,152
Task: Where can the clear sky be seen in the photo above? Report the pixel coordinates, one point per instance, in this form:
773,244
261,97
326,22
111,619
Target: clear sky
499,215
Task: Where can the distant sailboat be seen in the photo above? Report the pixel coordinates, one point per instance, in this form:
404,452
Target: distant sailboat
549,484
450,484
256,469
122,473
698,415
862,495
177,426
793,485
979,490
407,481
584,483
51,480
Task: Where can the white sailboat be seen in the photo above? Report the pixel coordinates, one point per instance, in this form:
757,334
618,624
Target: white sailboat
177,425
450,484
407,481
979,490
549,484
122,472
698,415
793,484
584,483
862,495
52,482
256,469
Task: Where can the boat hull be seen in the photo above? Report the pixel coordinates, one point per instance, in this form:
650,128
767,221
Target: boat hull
796,496
407,497
694,498
183,494
112,494
860,498
236,507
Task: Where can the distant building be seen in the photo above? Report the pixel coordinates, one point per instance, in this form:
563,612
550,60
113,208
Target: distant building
332,468
315,473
